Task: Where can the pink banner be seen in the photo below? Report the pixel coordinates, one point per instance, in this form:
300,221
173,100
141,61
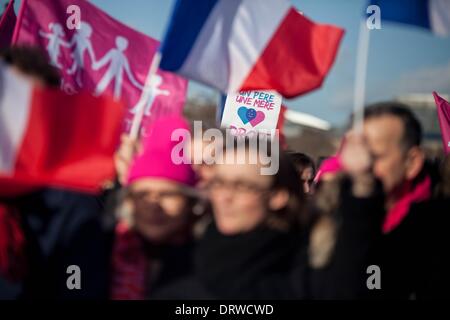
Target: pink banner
7,24
443,110
97,53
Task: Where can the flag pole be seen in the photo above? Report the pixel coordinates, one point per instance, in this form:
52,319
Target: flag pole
140,107
362,56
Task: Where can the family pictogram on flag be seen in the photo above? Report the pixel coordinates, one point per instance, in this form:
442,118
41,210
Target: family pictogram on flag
102,56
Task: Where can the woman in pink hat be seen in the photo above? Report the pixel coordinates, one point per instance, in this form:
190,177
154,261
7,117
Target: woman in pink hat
154,233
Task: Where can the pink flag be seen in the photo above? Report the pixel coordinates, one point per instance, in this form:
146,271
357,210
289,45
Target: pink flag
103,55
7,23
443,110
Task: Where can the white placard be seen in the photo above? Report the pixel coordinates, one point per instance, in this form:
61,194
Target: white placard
249,112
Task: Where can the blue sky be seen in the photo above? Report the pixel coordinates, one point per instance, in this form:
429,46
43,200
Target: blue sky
402,59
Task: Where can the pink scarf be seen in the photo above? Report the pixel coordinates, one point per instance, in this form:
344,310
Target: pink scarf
408,195
12,245
129,265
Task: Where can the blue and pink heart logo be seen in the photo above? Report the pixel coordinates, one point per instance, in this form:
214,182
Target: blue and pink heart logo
251,115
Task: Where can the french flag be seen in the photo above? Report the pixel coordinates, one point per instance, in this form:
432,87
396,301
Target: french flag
237,45
433,15
48,138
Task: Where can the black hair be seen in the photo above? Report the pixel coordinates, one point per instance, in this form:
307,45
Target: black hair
302,162
31,61
412,130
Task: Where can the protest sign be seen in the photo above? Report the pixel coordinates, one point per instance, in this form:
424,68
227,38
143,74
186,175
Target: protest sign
249,112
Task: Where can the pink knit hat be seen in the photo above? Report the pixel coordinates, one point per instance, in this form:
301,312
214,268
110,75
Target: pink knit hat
156,159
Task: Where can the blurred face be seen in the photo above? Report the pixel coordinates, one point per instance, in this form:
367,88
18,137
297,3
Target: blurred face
33,79
307,178
199,159
238,195
161,212
205,172
384,136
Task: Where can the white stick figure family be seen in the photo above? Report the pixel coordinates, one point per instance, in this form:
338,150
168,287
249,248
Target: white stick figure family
115,58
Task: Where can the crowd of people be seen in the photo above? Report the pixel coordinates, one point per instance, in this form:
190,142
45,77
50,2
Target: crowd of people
367,223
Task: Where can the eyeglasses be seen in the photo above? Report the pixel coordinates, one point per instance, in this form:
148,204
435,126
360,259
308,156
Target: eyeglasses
144,197
236,186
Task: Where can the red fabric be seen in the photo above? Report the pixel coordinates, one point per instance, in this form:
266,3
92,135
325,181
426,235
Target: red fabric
280,126
129,265
407,196
69,142
7,24
297,58
443,110
12,245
